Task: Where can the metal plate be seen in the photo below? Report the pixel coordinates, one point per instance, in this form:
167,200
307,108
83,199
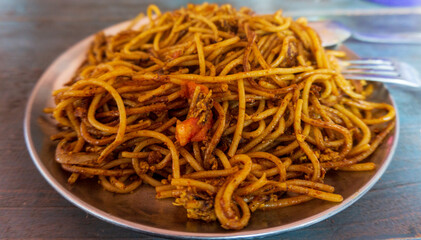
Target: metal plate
140,210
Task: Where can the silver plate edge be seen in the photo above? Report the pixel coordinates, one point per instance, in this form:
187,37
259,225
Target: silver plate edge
189,235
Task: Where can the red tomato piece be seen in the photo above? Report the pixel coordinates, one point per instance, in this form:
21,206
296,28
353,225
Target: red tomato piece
184,131
191,131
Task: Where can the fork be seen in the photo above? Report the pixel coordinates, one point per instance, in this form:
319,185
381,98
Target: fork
381,70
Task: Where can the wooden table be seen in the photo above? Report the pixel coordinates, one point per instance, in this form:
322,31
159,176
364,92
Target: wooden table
33,33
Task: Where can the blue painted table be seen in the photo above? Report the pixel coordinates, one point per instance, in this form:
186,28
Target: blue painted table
33,33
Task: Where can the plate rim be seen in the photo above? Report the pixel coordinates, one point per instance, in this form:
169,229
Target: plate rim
161,232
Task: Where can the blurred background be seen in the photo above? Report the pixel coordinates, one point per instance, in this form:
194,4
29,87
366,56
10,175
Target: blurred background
77,19
35,32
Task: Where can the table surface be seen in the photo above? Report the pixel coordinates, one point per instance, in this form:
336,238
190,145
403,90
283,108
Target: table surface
33,33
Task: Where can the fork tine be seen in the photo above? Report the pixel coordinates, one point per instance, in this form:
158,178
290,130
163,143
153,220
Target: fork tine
376,61
381,79
371,72
371,67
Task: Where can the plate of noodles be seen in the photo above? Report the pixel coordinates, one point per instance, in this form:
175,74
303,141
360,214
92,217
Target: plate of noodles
228,123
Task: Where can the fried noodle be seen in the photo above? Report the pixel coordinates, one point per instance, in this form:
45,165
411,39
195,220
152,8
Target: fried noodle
224,110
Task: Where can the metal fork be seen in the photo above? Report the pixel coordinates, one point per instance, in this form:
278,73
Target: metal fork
381,70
